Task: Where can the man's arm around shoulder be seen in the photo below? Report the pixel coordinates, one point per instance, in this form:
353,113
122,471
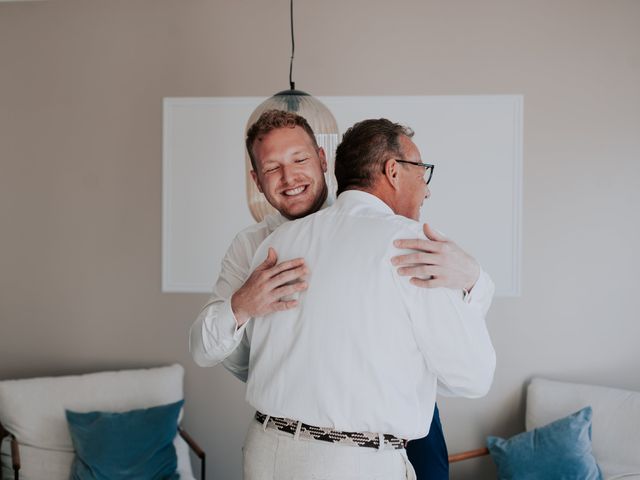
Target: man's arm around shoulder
220,327
451,333
215,333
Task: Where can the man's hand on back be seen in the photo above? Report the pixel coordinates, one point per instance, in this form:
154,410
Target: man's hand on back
265,288
437,262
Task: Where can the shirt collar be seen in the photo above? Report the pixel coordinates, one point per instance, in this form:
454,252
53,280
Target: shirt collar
276,219
353,197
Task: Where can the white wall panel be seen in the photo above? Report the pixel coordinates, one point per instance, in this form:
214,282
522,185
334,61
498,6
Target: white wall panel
474,141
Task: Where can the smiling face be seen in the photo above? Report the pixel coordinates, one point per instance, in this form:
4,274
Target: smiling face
290,171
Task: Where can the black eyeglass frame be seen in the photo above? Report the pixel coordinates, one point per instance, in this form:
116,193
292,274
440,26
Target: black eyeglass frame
428,167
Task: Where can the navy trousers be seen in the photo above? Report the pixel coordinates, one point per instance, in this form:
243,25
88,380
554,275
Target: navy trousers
429,455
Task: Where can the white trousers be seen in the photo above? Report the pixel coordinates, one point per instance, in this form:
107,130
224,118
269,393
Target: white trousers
273,455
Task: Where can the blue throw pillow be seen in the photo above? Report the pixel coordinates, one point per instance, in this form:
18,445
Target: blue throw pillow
559,450
131,445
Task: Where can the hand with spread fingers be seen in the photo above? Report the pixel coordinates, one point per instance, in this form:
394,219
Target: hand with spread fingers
265,290
436,262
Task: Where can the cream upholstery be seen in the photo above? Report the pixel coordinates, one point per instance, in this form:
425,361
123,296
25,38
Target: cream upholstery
615,424
34,411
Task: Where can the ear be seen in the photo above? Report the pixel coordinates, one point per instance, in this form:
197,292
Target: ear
254,175
323,159
391,173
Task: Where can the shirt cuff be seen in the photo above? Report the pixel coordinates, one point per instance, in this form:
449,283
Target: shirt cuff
229,324
481,289
466,295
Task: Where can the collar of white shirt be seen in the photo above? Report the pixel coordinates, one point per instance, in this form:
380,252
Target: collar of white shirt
352,197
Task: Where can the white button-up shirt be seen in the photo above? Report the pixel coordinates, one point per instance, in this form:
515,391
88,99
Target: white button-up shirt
214,337
365,350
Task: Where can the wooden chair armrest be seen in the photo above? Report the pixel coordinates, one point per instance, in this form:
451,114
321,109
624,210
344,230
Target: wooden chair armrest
15,451
458,457
196,449
15,457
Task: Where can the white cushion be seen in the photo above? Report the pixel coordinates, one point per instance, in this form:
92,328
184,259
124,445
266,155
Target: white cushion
40,463
34,411
37,463
615,424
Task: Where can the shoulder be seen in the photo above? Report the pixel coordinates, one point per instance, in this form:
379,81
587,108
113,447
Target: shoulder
374,212
256,233
404,225
247,241
397,226
291,227
292,236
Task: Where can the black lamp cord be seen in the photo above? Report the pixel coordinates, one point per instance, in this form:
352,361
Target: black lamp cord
293,49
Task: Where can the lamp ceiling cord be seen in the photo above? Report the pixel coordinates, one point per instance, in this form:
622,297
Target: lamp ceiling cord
293,49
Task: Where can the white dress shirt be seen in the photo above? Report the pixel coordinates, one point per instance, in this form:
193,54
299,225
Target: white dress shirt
214,337
365,349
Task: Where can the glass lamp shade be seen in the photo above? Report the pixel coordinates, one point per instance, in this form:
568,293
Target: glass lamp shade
321,121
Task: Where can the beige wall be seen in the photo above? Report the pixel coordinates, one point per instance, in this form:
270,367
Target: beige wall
81,88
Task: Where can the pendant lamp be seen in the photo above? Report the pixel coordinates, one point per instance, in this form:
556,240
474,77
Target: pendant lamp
320,119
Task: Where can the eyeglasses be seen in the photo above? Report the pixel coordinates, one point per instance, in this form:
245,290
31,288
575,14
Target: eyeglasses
428,168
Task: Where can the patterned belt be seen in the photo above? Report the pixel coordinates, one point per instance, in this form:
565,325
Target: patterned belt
325,434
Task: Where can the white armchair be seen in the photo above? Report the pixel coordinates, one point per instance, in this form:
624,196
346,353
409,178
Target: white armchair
615,422
35,439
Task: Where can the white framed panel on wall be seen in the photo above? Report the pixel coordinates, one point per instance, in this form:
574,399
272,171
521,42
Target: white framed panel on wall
475,142
204,200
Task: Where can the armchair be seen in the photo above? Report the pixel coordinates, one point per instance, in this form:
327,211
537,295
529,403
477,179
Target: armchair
615,423
34,438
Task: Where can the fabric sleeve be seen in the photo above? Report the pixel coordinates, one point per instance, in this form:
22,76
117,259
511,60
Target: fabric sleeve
481,294
452,336
238,360
214,335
